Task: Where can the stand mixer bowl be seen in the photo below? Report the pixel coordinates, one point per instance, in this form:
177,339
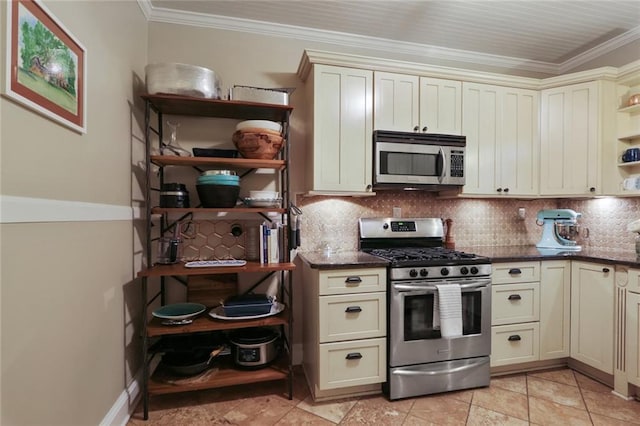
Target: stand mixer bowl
567,230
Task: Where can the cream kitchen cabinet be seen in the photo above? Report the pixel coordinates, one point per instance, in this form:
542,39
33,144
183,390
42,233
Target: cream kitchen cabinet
575,120
515,313
633,338
341,119
344,327
530,311
555,309
409,103
502,155
592,315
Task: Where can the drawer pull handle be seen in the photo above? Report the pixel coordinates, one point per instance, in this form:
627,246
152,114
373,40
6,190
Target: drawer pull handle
514,271
352,309
353,280
354,355
514,297
514,338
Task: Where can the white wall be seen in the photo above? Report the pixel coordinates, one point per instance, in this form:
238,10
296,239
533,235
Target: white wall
69,298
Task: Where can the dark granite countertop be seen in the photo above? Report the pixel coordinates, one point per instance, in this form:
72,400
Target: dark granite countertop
497,254
342,260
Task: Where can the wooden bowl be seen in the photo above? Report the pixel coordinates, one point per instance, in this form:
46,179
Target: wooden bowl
262,145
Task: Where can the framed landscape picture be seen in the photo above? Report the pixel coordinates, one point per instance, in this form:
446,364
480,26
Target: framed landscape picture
46,65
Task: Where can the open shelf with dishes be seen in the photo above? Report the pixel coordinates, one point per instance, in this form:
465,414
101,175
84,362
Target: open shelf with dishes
156,277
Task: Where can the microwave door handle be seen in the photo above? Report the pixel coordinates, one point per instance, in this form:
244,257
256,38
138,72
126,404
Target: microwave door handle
443,159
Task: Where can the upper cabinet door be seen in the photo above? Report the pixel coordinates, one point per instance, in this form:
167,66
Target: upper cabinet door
569,155
395,102
440,106
342,130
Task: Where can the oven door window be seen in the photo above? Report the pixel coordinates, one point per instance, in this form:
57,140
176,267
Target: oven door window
418,315
410,164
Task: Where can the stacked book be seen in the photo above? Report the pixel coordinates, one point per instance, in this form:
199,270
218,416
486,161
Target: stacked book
270,239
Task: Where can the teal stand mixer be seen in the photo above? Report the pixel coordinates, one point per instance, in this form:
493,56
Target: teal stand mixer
560,229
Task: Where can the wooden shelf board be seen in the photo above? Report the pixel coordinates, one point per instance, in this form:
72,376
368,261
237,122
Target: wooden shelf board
161,210
632,108
222,374
205,322
629,164
179,269
242,163
185,105
629,138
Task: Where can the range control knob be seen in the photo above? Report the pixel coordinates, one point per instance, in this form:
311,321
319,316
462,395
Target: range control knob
444,271
464,270
385,226
424,272
413,273
474,270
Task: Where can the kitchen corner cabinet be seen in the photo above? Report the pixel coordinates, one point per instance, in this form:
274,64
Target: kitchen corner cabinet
345,328
628,132
592,315
502,154
409,103
341,119
575,122
555,309
153,330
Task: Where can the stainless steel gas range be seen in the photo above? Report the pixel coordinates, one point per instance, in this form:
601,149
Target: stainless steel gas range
423,356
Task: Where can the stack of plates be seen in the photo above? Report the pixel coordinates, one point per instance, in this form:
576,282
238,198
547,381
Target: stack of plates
263,202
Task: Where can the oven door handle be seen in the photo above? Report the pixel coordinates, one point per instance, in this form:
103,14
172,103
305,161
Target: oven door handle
434,288
440,372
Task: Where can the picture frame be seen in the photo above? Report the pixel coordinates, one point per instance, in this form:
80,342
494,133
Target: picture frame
46,65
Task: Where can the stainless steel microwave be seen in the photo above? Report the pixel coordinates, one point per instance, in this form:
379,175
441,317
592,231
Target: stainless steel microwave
424,161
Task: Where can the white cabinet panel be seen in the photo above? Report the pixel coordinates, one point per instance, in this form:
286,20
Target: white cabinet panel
592,304
341,152
515,272
570,145
440,106
514,344
515,303
346,281
395,102
352,363
633,338
555,307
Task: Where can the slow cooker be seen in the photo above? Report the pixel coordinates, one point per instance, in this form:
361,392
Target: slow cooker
254,347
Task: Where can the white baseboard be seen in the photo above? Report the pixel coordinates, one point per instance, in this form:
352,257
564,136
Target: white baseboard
121,411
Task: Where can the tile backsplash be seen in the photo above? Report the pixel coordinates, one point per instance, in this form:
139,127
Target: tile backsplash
332,222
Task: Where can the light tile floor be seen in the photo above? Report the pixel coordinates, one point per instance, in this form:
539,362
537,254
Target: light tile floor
552,397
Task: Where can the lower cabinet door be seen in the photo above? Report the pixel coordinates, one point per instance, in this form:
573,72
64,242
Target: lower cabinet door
353,363
514,344
352,317
633,338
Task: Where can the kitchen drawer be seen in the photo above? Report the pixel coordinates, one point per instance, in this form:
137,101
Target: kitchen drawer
354,363
513,344
352,316
515,272
515,303
344,281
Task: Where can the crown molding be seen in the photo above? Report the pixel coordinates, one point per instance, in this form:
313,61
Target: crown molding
172,16
602,49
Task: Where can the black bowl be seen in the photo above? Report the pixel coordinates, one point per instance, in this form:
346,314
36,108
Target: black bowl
218,196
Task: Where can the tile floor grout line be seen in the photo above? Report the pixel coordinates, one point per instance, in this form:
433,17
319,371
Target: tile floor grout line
526,389
586,407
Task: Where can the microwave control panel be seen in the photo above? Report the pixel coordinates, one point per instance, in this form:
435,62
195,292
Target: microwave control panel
457,163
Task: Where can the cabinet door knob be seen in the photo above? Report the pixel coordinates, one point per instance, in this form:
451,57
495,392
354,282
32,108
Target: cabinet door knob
417,128
369,187
499,190
506,190
514,297
514,271
354,355
605,270
514,338
353,280
352,309
424,129
592,189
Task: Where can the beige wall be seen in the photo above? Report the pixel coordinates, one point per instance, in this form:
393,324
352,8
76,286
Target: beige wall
68,296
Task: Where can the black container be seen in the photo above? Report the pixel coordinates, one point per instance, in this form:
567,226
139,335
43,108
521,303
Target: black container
174,195
218,196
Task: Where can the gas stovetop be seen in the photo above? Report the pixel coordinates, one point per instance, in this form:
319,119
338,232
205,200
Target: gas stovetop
414,249
426,256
